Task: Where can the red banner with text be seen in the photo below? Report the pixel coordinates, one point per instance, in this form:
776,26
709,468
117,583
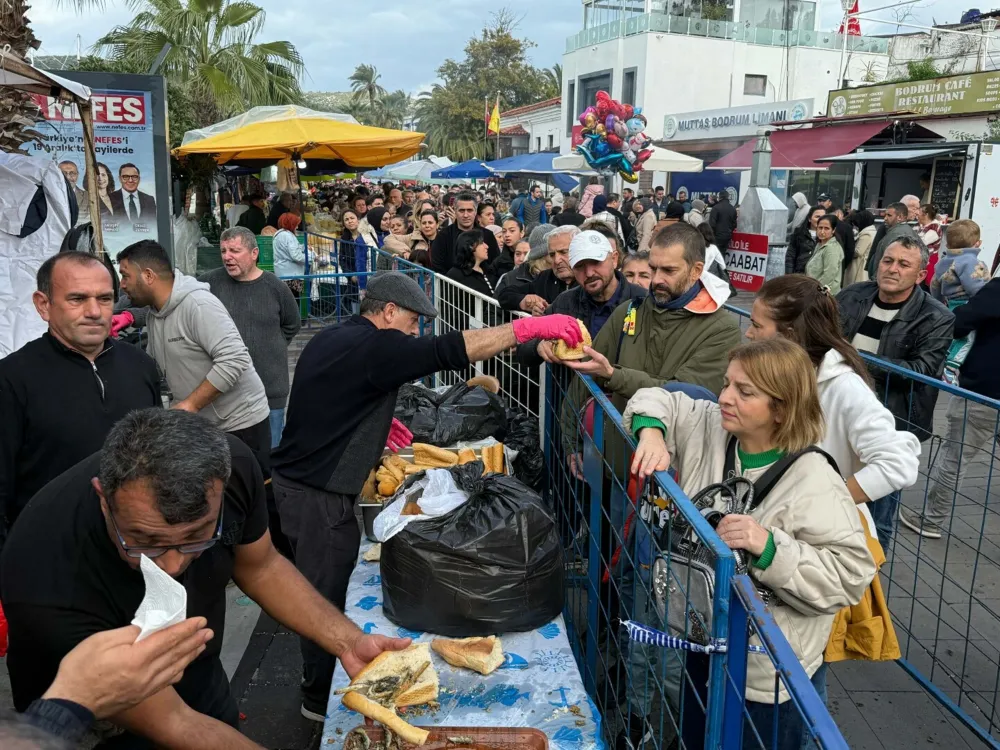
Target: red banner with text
746,260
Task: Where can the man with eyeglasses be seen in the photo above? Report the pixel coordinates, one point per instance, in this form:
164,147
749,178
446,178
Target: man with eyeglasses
128,202
172,487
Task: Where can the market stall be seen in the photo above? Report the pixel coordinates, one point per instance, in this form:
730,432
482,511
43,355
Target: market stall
299,140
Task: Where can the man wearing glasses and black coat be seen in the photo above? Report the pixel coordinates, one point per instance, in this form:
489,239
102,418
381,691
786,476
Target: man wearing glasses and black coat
172,487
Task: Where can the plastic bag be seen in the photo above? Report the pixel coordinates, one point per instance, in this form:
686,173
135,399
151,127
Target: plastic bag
522,436
492,565
459,414
434,491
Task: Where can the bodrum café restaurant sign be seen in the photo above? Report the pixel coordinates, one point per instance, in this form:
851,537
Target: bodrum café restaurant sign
951,95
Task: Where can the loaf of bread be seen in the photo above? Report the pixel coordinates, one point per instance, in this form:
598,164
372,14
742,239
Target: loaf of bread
466,456
431,455
493,462
564,352
482,655
399,665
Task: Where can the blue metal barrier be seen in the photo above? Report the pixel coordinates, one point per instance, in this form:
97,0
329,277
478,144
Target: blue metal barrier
943,593
645,693
749,617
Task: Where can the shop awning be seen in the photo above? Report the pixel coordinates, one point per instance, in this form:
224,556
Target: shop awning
802,149
896,154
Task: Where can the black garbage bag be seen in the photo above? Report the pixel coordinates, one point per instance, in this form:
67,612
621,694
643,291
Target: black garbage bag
493,565
459,414
522,436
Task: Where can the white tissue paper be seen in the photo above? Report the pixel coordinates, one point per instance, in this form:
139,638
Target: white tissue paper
435,492
164,604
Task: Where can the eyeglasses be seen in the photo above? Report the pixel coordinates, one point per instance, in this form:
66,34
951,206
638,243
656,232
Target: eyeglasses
155,551
129,177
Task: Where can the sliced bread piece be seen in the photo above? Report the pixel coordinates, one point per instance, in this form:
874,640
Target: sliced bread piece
481,654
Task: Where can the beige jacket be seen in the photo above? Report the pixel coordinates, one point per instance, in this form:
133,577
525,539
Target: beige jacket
822,562
644,227
856,271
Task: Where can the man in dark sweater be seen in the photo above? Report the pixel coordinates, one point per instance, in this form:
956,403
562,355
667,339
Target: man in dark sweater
971,426
443,247
332,441
722,221
265,313
60,394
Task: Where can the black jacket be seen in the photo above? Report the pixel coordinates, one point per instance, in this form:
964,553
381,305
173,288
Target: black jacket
568,217
981,314
484,283
800,249
253,219
57,409
504,262
722,220
918,338
577,303
623,225
513,287
443,248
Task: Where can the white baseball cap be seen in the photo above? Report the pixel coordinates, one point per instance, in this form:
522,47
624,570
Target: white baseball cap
588,245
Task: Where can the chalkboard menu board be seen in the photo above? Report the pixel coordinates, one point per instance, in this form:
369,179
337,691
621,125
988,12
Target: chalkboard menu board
946,184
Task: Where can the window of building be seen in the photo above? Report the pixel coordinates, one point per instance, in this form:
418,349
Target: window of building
570,107
552,141
628,87
538,144
787,15
754,85
589,87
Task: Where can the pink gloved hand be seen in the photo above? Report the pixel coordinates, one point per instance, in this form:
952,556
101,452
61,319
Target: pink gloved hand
120,322
399,436
548,327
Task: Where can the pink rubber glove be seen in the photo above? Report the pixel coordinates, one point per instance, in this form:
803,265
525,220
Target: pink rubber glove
120,322
548,327
399,436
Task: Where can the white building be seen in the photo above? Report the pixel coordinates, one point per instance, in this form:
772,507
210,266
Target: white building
532,128
685,56
953,48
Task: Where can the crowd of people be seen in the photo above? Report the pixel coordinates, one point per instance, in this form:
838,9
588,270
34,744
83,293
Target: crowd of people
250,477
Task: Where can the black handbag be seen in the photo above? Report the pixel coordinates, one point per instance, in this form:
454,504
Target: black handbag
691,561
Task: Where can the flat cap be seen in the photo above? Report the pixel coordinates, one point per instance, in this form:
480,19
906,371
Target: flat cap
536,241
402,290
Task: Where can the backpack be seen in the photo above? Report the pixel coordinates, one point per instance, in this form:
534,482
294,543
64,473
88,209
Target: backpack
691,560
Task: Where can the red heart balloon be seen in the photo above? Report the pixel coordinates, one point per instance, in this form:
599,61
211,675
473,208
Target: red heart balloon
628,112
614,141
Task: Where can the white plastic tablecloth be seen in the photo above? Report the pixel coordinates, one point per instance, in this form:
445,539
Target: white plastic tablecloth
538,685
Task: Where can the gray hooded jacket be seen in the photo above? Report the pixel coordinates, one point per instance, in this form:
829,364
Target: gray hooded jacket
193,339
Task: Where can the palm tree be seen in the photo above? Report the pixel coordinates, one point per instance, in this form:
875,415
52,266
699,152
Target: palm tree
17,111
552,78
442,114
393,110
365,85
212,51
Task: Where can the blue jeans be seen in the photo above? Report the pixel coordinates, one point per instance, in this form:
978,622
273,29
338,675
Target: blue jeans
791,731
884,511
818,682
277,419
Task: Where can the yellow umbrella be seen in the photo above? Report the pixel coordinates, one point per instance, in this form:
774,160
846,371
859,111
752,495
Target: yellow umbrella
312,137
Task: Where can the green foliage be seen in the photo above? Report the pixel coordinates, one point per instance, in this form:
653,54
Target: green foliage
452,113
371,104
213,53
919,70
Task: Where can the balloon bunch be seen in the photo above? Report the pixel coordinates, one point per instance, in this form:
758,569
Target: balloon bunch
613,140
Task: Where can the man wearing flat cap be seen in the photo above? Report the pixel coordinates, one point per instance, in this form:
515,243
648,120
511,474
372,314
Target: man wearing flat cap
339,414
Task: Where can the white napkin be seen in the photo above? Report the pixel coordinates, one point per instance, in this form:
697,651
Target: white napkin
164,604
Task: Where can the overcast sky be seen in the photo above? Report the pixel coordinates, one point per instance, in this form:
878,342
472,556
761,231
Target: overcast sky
405,40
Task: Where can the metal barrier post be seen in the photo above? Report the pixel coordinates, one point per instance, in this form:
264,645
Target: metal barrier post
725,567
593,471
735,683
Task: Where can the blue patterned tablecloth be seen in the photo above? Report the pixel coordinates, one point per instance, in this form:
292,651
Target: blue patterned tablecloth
538,686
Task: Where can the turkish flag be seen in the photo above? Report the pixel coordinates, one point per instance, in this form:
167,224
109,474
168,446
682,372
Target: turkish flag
853,23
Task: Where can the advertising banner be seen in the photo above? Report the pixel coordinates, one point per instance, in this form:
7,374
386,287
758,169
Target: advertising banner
951,95
703,185
123,140
733,122
746,260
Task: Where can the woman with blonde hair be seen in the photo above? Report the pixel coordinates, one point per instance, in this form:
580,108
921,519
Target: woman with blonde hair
804,538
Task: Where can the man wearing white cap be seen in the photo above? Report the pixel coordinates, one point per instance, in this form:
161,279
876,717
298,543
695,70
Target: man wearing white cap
600,289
